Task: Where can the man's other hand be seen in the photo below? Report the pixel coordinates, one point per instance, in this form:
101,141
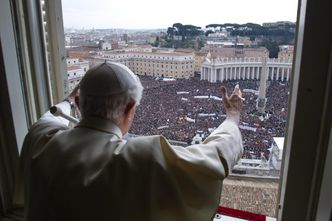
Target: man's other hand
73,96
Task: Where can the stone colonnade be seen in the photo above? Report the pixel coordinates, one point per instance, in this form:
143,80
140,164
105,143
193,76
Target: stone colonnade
224,69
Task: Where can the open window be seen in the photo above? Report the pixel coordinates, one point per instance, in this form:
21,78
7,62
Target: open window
33,70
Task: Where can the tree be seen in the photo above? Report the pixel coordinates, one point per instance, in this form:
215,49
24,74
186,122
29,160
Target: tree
156,43
191,30
178,27
170,31
208,32
272,46
213,26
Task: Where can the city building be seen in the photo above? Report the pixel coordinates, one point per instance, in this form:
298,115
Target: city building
76,40
122,44
125,38
199,58
286,52
75,71
106,46
152,39
245,41
141,48
161,63
231,50
218,35
224,69
115,45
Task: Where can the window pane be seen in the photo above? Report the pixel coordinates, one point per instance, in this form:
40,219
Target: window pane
183,65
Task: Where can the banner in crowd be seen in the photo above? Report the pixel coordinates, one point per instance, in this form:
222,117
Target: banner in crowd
190,120
208,97
182,92
251,91
169,79
201,97
244,127
216,98
207,115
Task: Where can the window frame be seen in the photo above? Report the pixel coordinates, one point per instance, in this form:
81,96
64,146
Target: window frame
13,117
303,171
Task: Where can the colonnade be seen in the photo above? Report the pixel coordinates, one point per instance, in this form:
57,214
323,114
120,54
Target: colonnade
245,69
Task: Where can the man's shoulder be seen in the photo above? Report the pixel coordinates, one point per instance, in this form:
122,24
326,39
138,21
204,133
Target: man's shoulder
45,126
42,131
145,142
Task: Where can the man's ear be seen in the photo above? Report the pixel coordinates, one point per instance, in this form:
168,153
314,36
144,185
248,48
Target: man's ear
77,101
129,107
127,117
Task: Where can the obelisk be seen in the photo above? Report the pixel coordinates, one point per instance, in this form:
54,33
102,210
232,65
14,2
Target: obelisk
261,100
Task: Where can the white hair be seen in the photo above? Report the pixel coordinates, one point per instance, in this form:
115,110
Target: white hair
110,107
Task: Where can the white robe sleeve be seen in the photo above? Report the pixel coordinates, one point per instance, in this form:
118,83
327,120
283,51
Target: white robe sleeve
214,157
65,107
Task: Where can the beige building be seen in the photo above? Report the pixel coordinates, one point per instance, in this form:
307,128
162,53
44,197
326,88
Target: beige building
199,59
245,41
134,48
231,52
286,52
155,63
76,69
152,39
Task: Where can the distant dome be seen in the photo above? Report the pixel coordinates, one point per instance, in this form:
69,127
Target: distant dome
208,55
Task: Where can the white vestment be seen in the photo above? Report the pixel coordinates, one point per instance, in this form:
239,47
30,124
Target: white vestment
91,173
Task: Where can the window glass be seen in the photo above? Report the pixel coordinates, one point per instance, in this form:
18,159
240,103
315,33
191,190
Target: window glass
251,45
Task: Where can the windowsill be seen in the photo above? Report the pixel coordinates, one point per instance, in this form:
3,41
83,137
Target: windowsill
229,214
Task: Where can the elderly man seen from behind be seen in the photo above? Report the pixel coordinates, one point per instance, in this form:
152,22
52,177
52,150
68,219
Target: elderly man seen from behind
90,172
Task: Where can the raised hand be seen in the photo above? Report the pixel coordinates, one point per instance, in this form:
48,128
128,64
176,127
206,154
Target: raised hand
233,104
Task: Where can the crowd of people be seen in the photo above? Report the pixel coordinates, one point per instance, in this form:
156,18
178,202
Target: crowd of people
180,109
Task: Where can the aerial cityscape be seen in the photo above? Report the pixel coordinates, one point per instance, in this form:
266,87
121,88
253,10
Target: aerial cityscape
182,68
